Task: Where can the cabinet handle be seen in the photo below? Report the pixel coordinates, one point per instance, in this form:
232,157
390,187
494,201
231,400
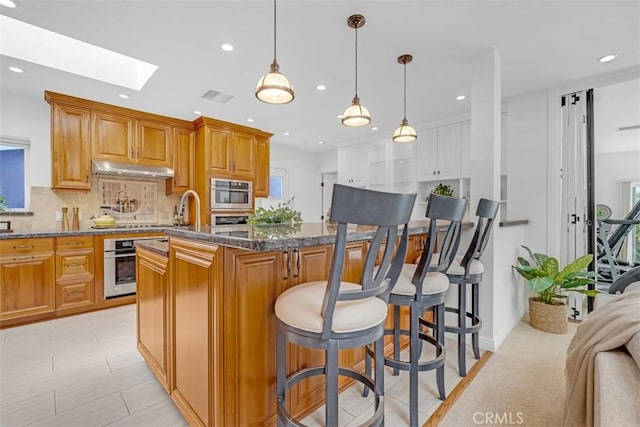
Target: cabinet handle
86,178
438,172
22,258
297,254
132,155
137,152
75,265
287,262
74,293
434,172
74,243
23,246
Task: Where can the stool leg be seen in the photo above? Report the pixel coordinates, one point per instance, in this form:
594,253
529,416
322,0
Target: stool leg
367,371
475,337
379,378
439,316
413,373
281,375
331,384
396,336
462,325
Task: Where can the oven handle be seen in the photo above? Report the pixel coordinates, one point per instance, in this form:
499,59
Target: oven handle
111,255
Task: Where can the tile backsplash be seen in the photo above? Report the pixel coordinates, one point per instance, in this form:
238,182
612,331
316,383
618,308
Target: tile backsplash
45,202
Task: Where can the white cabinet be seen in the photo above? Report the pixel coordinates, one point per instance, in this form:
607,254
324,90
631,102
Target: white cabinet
352,165
465,149
438,153
378,166
404,167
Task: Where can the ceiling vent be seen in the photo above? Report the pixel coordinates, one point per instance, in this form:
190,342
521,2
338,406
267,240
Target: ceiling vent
214,95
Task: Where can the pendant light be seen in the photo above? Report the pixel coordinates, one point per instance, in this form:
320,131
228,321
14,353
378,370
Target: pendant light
405,133
356,114
273,87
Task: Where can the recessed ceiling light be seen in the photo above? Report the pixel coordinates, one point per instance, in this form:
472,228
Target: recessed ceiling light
374,128
250,120
608,58
321,142
16,69
197,112
227,47
321,87
8,3
122,95
339,116
287,134
460,97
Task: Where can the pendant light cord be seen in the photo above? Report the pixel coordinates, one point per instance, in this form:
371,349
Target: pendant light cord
405,89
356,59
274,31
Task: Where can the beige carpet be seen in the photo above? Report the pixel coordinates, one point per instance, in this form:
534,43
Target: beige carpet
522,383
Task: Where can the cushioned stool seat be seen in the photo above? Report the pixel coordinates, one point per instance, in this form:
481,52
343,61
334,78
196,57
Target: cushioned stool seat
434,282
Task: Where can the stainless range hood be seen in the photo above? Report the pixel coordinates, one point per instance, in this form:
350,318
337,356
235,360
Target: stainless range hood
107,168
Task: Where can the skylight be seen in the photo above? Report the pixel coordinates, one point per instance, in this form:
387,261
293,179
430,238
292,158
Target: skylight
34,44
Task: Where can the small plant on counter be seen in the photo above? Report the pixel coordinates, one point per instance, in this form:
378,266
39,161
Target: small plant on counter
443,190
3,203
281,214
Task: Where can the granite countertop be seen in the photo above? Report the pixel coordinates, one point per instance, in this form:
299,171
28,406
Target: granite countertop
159,246
282,237
83,232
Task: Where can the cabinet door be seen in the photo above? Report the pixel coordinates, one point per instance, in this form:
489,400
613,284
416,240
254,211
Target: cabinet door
217,150
243,159
27,285
183,162
449,151
153,146
70,147
152,298
427,155
74,295
253,281
261,182
353,165
196,373
112,137
465,149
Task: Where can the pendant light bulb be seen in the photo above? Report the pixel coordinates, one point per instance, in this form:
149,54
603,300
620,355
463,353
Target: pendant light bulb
405,133
273,87
356,114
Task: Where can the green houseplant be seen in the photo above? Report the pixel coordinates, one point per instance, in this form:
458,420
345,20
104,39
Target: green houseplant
443,190
281,214
548,311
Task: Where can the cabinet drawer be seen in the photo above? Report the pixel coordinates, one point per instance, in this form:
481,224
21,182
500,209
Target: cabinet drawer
73,265
77,294
13,247
74,242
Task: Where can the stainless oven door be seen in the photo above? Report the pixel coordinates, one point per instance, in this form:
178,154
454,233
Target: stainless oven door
119,274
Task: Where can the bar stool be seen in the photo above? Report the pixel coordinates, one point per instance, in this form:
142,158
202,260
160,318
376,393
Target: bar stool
334,315
423,287
465,270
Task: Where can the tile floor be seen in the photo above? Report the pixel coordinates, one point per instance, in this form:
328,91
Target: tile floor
85,370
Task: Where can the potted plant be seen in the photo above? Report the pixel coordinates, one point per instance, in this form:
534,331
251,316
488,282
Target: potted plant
548,311
443,190
281,214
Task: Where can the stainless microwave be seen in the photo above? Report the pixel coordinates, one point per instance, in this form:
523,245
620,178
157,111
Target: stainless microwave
231,194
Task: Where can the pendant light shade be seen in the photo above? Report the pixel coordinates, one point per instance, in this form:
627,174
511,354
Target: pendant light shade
356,114
405,133
273,87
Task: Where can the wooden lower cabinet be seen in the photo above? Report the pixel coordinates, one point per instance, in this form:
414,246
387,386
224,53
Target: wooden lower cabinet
74,274
27,280
196,361
153,314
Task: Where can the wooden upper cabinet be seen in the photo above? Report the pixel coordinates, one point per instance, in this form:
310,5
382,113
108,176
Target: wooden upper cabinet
70,147
112,137
243,154
183,161
261,182
153,144
217,143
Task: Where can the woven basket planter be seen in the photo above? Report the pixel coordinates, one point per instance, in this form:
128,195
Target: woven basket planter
552,318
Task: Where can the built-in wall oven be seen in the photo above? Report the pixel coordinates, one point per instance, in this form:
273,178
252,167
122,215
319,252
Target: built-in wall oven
231,194
120,266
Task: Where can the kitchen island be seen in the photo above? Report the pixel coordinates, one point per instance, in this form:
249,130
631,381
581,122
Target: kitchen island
206,320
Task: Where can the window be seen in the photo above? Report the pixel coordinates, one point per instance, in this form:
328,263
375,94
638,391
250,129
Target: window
14,158
279,184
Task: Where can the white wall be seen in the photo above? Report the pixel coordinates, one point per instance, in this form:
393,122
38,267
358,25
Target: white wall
527,134
611,169
304,178
29,118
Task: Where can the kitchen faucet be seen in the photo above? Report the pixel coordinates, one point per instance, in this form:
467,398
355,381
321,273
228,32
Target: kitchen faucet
183,204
